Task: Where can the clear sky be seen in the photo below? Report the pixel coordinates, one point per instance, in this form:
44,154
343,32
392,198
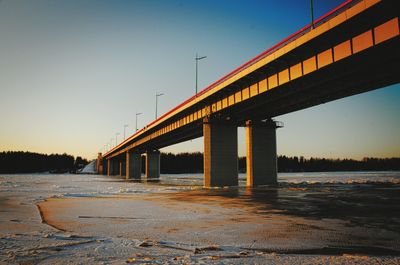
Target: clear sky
72,73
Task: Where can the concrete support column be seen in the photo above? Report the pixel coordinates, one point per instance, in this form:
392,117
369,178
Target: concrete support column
261,159
122,167
104,163
220,154
99,164
133,165
152,164
116,167
109,167
112,166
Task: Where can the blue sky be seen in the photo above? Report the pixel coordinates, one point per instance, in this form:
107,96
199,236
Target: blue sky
74,72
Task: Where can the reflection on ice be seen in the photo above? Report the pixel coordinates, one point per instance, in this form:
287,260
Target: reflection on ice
95,185
341,177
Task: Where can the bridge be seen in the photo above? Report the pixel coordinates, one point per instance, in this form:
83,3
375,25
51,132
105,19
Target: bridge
352,49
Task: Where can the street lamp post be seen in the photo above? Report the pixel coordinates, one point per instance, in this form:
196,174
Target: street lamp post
125,126
137,114
157,95
312,14
116,138
197,62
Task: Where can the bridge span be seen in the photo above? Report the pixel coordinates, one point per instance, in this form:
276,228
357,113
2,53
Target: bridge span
352,49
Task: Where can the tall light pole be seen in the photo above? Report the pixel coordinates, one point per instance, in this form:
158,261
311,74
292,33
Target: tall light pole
116,138
157,95
137,114
312,14
197,62
125,126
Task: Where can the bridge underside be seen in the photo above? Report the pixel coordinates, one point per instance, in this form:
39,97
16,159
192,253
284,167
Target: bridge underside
357,74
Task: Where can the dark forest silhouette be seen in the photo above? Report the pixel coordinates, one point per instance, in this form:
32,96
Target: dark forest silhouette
27,162
193,163
181,163
300,164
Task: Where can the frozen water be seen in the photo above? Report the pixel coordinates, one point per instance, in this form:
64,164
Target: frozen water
346,217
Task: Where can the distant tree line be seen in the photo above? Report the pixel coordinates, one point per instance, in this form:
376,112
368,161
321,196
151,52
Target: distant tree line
181,163
300,164
27,162
193,163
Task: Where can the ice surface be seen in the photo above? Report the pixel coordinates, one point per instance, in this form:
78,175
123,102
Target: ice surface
340,218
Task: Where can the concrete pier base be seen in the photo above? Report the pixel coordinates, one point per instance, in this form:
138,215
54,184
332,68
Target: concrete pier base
108,167
99,164
152,164
122,168
133,165
261,159
114,167
104,167
220,154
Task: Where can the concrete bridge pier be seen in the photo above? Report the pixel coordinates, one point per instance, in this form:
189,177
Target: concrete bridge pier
115,167
220,154
152,164
133,165
112,167
103,168
109,167
261,158
99,164
122,167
